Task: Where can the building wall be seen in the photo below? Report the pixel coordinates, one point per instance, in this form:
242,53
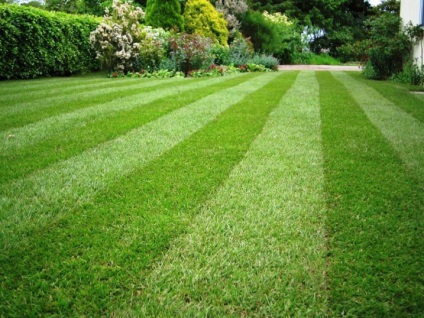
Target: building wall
413,11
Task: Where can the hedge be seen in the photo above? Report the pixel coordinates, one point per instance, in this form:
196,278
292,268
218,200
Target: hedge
35,43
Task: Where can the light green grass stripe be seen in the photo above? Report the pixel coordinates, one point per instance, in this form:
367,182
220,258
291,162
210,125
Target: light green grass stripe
32,133
57,189
404,132
258,247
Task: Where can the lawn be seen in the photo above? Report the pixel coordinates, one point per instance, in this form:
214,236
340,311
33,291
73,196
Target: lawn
284,194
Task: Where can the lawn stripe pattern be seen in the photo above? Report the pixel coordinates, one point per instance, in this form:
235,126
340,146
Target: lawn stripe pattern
398,94
42,129
404,131
160,199
258,247
256,195
375,214
43,195
83,136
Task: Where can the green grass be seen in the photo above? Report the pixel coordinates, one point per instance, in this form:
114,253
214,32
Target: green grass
322,59
375,215
256,195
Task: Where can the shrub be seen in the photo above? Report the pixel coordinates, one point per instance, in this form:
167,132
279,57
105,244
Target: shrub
190,52
388,47
220,53
202,18
411,74
272,34
266,60
241,50
117,39
152,49
232,11
164,14
35,43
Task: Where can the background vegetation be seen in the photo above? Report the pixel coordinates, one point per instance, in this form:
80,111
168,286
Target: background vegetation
291,31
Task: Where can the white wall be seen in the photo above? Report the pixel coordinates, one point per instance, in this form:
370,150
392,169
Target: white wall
412,11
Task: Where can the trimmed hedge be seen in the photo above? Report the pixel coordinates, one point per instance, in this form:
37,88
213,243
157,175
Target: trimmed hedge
36,43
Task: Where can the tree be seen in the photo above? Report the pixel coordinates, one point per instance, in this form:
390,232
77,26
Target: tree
69,6
202,18
165,14
331,23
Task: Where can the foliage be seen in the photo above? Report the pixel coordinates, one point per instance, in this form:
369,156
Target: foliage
68,6
146,74
164,14
117,40
388,46
268,61
241,50
190,52
322,59
202,18
232,11
273,34
220,53
411,74
152,49
329,23
35,43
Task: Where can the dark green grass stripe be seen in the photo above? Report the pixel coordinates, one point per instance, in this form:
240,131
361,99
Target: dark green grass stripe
64,103
94,260
77,139
397,94
375,216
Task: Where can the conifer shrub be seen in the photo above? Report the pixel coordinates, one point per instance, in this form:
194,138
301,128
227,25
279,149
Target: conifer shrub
201,17
164,14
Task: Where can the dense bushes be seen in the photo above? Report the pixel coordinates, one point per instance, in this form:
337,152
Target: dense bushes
273,34
164,14
388,47
36,43
201,17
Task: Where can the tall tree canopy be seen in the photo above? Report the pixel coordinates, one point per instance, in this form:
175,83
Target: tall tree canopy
331,22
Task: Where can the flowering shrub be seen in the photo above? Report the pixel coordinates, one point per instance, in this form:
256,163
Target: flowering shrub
117,39
232,9
152,49
277,18
190,52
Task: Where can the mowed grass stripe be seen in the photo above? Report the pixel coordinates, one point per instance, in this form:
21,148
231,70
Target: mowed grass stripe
258,247
94,109
375,214
31,201
396,93
20,99
404,131
32,111
94,260
79,138
16,86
